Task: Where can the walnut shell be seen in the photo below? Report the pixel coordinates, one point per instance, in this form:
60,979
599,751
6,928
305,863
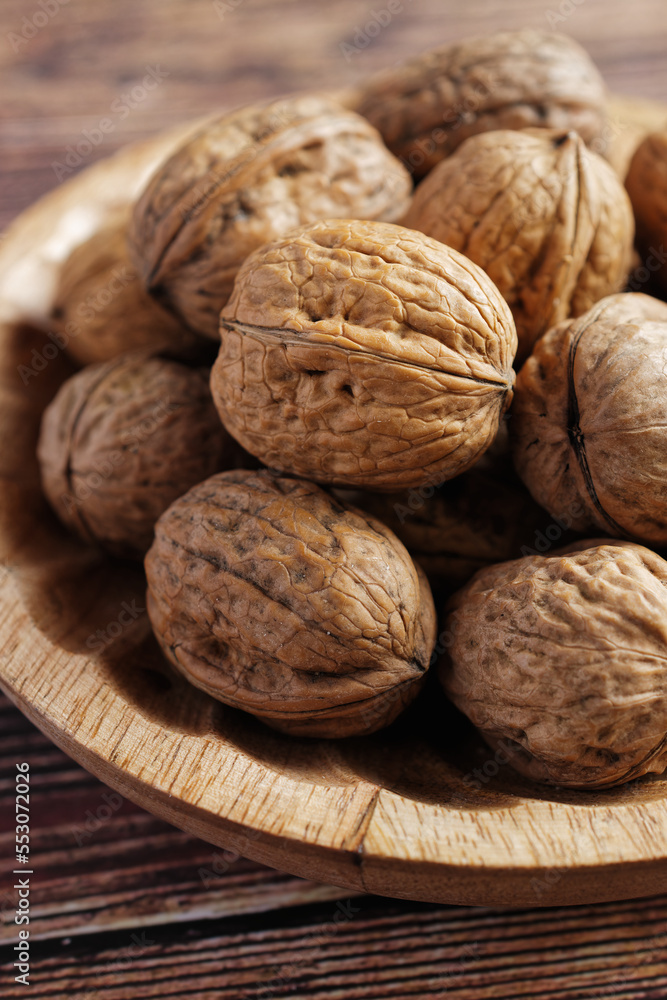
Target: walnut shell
589,421
273,597
121,441
38,242
101,308
427,107
363,354
453,529
646,183
562,659
248,178
548,220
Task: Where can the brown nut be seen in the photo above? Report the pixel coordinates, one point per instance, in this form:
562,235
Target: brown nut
101,308
561,660
364,354
248,178
121,440
453,529
647,186
428,106
589,421
273,597
548,221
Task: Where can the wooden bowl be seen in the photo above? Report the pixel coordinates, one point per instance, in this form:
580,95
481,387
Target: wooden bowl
422,810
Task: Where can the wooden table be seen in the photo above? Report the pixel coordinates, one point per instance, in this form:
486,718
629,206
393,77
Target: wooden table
124,905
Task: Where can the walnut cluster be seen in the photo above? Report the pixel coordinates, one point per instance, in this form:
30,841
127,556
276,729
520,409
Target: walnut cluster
590,418
427,107
321,403
248,178
102,308
462,525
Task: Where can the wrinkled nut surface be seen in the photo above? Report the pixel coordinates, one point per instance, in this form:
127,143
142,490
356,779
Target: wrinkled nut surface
454,529
646,183
426,108
101,308
364,354
562,661
547,219
589,421
248,178
274,598
121,441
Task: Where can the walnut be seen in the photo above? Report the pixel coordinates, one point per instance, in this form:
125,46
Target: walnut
428,106
38,242
122,440
273,597
101,308
363,354
561,661
453,529
548,221
589,422
248,178
647,186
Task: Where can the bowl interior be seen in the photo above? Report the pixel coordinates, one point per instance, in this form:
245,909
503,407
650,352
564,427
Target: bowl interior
88,609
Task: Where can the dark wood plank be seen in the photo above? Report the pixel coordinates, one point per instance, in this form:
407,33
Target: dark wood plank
102,863
368,948
123,905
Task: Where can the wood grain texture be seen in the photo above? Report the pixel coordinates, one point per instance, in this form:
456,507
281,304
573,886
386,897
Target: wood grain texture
106,865
127,906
